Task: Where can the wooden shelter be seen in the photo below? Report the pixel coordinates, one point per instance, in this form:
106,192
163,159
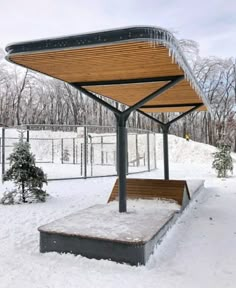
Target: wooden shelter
142,67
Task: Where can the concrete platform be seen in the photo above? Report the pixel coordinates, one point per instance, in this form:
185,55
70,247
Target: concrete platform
101,232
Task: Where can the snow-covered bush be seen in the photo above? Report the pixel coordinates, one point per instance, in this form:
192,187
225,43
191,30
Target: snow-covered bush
27,177
10,197
66,155
223,162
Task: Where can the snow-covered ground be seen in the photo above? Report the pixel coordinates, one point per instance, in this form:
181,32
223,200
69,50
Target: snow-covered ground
199,250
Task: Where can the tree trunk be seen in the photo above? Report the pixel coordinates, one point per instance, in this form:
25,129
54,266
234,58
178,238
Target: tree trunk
19,99
23,191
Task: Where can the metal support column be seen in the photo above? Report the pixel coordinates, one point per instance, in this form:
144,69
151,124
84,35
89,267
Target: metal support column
122,160
165,129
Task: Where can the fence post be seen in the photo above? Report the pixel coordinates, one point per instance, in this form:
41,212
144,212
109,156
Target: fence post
102,155
85,151
0,149
62,155
52,151
81,159
148,151
76,154
155,152
73,150
137,153
3,152
91,157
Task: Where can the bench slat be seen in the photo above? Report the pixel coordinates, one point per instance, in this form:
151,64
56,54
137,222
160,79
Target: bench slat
153,188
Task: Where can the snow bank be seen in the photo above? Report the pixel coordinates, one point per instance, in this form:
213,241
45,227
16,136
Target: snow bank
182,151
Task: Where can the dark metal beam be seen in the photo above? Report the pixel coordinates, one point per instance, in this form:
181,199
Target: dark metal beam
153,95
175,119
126,81
170,105
184,114
150,117
99,100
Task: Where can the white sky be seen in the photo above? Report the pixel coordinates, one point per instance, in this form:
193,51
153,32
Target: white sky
211,23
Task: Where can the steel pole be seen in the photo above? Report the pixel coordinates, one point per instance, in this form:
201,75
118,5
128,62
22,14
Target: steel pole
122,161
165,129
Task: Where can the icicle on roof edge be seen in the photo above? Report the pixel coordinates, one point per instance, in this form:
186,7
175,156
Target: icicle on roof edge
175,51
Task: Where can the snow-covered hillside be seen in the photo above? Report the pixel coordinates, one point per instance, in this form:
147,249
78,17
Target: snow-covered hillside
182,151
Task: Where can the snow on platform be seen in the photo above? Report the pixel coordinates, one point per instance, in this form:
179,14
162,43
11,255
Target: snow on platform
139,225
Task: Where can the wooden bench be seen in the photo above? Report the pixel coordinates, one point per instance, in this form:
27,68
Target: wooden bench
176,190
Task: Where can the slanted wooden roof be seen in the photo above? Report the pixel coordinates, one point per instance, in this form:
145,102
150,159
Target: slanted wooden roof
125,65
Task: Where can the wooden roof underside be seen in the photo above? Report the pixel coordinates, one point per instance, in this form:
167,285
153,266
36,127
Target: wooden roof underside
96,68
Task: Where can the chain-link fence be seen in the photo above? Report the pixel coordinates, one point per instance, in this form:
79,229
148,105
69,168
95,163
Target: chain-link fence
69,152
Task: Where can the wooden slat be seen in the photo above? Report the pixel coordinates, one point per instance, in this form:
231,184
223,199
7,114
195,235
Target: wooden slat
129,60
120,61
129,94
172,109
152,188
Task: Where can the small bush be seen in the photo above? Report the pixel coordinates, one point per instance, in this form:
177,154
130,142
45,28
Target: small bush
28,178
223,162
10,197
66,155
